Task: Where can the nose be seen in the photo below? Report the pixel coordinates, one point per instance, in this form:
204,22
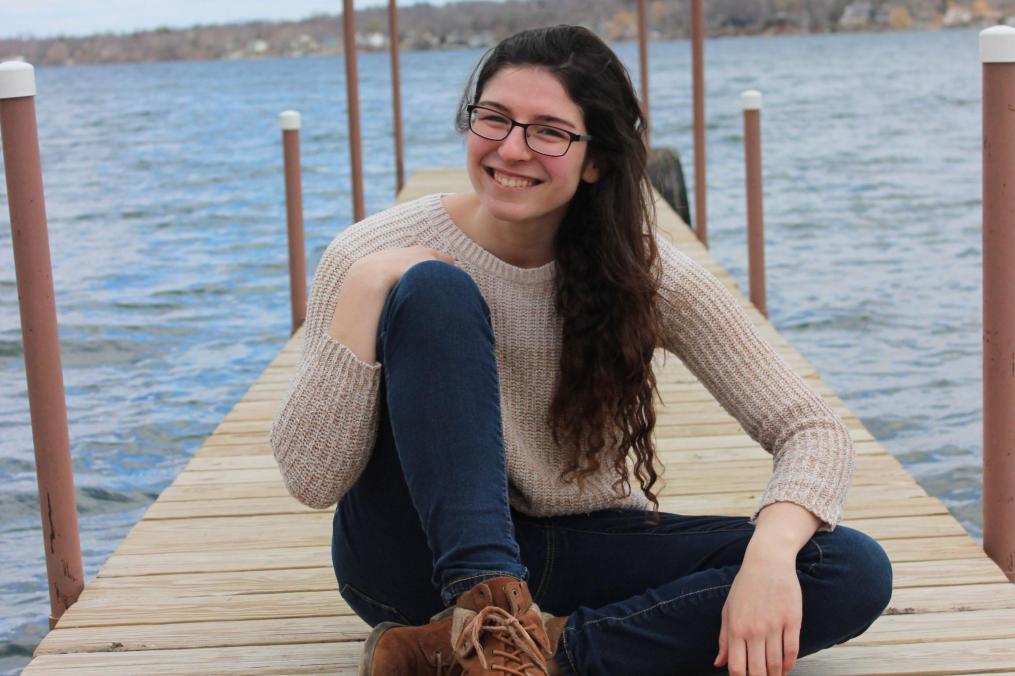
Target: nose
514,147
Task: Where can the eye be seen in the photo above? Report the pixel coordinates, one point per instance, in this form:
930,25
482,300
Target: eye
491,118
551,134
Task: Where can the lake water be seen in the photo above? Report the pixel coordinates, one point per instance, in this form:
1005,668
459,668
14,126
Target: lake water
167,229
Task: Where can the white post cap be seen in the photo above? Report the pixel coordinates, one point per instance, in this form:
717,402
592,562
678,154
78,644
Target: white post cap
289,120
17,79
750,100
997,44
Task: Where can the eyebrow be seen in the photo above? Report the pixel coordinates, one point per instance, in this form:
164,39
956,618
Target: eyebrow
540,118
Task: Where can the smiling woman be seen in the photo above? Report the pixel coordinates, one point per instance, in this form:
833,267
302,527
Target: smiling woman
477,387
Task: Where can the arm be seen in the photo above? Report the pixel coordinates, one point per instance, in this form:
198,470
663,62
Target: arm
327,423
704,325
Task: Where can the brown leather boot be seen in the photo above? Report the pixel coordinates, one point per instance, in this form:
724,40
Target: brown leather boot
398,650
498,630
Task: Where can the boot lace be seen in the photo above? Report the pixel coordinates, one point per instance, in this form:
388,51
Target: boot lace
442,668
507,630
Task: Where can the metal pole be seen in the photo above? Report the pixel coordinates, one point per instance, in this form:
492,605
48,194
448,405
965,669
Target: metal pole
698,70
396,95
290,123
352,104
997,52
750,101
643,64
34,273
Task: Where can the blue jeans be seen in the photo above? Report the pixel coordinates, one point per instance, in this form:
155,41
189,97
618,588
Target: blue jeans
429,518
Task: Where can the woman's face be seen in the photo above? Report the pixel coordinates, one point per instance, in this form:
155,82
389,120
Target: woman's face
528,94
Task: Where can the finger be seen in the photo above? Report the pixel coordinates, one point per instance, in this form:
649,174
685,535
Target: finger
721,657
790,647
738,657
773,654
756,657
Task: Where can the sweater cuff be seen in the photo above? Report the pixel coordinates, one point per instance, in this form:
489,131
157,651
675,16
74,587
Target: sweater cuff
333,361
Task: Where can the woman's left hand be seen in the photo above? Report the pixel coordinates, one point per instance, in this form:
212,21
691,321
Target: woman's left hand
760,634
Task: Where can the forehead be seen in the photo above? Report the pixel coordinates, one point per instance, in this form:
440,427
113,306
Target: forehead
531,92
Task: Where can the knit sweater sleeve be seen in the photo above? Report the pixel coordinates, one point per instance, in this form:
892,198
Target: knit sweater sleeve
704,325
326,426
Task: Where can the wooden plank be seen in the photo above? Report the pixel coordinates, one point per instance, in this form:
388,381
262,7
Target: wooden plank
909,659
971,625
214,634
304,658
947,598
93,612
252,558
319,578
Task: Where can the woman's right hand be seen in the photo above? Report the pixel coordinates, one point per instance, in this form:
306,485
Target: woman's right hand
367,283
390,264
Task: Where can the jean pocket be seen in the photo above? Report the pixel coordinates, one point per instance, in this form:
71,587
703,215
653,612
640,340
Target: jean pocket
370,610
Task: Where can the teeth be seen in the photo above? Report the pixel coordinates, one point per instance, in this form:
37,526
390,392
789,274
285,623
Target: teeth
511,181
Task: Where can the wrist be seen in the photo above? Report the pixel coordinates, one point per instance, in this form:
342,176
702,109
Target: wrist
770,547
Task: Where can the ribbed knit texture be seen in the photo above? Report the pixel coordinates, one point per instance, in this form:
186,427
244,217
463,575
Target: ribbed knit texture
325,429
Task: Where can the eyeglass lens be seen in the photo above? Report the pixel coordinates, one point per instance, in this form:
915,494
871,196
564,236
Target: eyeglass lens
541,138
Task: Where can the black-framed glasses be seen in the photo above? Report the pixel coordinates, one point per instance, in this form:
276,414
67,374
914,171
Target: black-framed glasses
541,138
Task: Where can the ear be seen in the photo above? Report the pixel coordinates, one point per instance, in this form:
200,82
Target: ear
590,173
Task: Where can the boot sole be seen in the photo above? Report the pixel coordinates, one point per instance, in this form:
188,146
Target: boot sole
367,658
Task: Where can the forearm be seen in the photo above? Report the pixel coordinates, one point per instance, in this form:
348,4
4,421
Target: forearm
782,529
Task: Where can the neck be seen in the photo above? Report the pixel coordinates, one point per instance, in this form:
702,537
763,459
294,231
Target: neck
524,244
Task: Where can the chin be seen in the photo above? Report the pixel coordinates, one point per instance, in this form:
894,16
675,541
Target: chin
506,211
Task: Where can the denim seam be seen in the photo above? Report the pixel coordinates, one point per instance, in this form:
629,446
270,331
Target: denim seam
821,556
661,603
548,561
567,652
373,602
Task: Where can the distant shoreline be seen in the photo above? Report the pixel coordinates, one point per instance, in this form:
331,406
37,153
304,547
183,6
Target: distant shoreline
479,25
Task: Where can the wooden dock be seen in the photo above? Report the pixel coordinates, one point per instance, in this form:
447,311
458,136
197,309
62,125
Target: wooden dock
227,574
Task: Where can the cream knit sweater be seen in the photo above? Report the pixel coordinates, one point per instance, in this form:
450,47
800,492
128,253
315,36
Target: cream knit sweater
324,432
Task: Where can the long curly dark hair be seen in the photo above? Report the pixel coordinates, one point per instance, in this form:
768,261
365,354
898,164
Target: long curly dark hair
603,405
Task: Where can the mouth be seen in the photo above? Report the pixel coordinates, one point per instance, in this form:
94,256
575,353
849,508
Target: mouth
509,181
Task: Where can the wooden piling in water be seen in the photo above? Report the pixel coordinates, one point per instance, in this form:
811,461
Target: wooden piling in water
396,95
750,101
36,300
352,106
997,53
289,120
698,87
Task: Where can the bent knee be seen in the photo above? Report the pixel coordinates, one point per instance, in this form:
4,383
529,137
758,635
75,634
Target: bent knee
435,274
868,572
438,288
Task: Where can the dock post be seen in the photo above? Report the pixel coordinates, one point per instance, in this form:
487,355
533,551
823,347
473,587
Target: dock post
997,53
698,71
46,400
643,67
396,95
750,101
289,120
352,106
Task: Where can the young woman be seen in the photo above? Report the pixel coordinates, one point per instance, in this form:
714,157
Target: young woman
476,388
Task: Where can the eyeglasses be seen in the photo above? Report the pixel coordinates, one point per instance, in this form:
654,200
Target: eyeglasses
540,138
